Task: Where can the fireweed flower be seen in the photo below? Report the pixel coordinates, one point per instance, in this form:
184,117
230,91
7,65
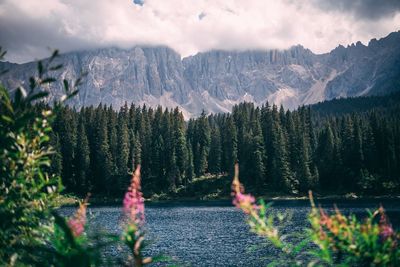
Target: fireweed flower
133,201
385,228
133,206
245,202
256,214
77,222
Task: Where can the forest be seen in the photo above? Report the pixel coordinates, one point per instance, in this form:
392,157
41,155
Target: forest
333,147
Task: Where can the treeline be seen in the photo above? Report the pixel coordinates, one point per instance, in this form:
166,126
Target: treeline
277,149
343,106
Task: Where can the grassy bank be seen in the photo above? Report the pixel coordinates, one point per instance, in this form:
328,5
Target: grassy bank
218,187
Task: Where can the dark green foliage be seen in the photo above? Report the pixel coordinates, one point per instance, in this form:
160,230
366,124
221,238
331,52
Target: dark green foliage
122,153
28,191
230,149
201,144
214,160
105,146
278,150
56,159
82,159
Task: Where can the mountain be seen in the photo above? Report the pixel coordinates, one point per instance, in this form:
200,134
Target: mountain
216,80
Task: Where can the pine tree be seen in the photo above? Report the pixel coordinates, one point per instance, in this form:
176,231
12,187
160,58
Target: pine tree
103,162
214,161
306,181
326,155
280,165
158,169
56,158
82,158
203,144
230,146
181,152
258,155
112,139
189,168
66,128
122,156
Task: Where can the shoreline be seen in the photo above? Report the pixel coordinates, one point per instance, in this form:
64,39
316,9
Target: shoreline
70,200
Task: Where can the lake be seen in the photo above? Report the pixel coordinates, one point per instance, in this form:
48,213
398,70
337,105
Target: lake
215,233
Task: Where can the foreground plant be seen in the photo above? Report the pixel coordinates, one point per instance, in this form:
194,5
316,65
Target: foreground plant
331,240
346,240
28,192
70,243
264,225
134,233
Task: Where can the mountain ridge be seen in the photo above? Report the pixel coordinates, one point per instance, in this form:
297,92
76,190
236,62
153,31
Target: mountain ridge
217,79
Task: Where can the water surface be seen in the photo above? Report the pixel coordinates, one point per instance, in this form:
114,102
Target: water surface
215,233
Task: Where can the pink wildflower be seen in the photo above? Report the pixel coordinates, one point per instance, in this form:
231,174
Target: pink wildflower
385,228
77,222
133,200
246,202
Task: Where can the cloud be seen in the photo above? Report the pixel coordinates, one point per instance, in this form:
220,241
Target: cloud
28,27
362,9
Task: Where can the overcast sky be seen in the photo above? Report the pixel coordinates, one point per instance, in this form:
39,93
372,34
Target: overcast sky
29,27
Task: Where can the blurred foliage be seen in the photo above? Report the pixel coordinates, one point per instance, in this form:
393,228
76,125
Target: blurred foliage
346,241
331,240
32,233
28,192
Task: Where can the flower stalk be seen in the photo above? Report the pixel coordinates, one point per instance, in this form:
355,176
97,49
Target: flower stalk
133,206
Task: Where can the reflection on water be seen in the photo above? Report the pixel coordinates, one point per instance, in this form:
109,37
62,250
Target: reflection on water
215,234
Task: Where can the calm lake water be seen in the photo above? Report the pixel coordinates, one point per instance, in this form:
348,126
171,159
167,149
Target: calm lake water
215,233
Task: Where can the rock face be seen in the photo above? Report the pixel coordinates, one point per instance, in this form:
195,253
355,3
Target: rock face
216,80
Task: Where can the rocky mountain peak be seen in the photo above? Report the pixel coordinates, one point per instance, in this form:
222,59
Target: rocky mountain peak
216,80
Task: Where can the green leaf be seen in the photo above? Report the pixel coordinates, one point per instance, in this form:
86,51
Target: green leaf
2,53
54,55
66,85
74,93
57,67
48,80
7,119
79,81
37,96
40,69
300,246
20,94
32,83
61,222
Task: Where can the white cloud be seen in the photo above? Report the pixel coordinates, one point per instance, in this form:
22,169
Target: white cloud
188,26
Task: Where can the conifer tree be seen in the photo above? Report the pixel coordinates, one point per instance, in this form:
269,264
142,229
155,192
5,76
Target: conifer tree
189,168
103,162
230,145
82,158
112,139
122,157
56,157
66,128
203,145
258,155
326,156
280,165
181,152
214,161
